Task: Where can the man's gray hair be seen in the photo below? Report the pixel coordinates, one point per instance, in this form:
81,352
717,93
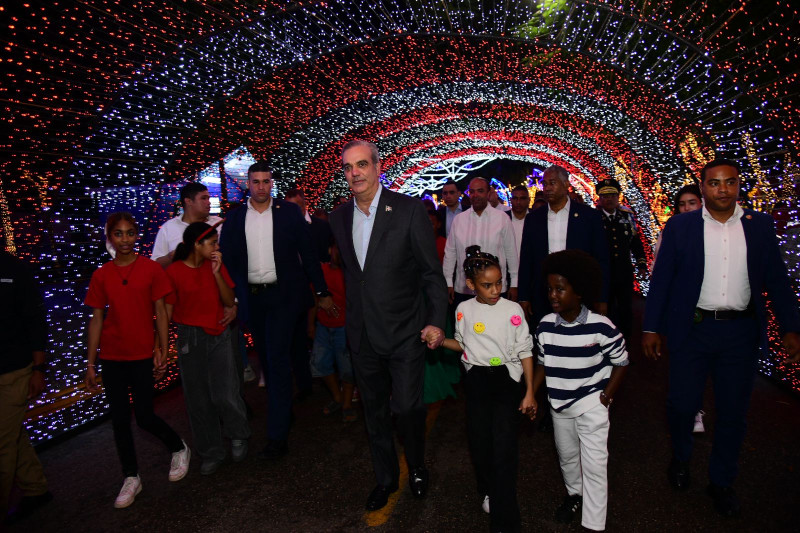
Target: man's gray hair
560,172
373,149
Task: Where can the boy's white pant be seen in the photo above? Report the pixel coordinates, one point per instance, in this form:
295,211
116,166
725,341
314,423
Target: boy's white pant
582,444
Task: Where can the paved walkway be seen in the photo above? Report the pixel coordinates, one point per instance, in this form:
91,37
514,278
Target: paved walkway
323,483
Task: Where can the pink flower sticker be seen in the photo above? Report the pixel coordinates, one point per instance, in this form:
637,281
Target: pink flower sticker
459,316
516,320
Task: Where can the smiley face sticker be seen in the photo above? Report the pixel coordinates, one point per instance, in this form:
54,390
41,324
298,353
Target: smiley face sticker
516,320
479,327
495,361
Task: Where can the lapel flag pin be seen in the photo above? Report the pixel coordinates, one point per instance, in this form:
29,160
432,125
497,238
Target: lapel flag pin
575,215
388,209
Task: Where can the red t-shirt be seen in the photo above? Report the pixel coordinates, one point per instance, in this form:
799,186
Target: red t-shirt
334,279
196,298
128,329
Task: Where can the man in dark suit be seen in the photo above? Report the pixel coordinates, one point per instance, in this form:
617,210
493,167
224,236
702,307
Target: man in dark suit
396,296
706,296
267,248
564,225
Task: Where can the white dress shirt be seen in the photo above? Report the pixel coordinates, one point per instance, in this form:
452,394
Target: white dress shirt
557,228
170,234
725,281
362,227
491,231
260,252
518,224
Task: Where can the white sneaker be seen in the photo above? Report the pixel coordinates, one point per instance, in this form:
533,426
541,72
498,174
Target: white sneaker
249,374
698,423
485,504
130,489
180,463
261,382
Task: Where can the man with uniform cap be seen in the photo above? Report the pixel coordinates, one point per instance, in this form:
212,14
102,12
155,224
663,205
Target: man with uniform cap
623,239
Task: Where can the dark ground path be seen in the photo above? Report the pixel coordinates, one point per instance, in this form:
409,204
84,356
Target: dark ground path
323,483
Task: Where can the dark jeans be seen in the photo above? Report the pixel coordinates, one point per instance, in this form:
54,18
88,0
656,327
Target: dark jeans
392,384
492,423
726,350
211,380
272,321
120,377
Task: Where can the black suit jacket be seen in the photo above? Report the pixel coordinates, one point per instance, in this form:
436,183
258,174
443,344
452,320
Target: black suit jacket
321,234
584,232
401,288
295,257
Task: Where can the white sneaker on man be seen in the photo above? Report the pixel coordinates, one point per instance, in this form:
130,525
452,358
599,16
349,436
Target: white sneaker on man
485,504
130,489
698,423
180,463
261,381
249,374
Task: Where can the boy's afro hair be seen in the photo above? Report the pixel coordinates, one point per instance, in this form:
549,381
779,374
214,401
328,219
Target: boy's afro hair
580,269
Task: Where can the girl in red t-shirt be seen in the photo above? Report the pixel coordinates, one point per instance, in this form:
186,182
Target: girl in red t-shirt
205,348
132,288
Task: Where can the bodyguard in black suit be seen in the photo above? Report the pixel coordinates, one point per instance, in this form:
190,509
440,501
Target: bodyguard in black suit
584,231
396,296
267,249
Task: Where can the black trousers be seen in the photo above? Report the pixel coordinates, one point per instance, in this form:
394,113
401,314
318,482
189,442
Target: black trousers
301,355
620,298
272,322
389,384
120,377
493,399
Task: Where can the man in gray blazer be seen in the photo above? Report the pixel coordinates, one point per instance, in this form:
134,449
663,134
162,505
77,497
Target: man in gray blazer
396,297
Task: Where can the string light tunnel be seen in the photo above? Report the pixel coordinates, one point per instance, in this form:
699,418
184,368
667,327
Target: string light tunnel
113,105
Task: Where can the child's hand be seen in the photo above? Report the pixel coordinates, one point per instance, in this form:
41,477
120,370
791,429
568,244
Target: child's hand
432,336
216,261
528,405
91,380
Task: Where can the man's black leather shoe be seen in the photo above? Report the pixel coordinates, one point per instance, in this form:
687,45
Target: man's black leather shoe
678,474
275,449
418,482
725,501
379,497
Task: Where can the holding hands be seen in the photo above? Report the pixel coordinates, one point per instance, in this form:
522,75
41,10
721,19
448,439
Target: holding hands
528,405
433,336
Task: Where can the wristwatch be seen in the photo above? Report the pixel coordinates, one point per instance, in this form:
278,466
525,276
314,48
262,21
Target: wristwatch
609,400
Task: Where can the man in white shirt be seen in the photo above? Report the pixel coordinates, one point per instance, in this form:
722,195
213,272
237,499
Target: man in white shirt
196,204
490,229
707,296
452,206
520,200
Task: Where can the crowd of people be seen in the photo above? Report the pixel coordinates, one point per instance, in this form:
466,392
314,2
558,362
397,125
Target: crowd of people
530,306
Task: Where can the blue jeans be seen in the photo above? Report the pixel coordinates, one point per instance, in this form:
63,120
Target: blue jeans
211,389
330,353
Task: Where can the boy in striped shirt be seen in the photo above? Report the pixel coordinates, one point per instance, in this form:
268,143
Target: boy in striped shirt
582,358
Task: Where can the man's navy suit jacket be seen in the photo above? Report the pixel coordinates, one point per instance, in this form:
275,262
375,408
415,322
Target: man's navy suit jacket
584,232
296,259
678,276
401,288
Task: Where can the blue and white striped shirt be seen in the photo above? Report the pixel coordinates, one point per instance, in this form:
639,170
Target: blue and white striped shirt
577,358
